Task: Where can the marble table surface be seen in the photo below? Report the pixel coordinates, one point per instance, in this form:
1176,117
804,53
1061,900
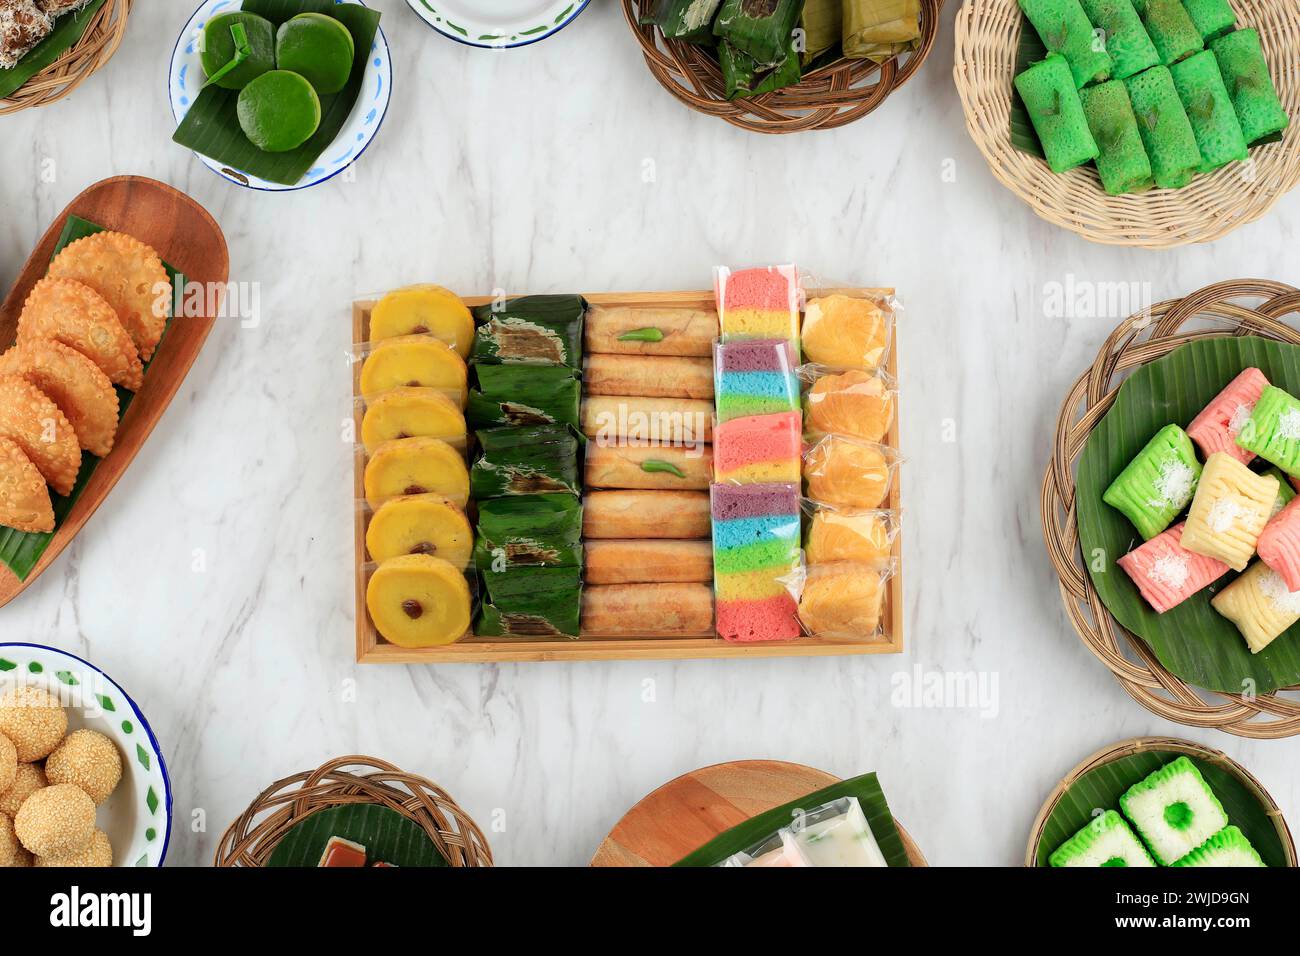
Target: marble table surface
563,166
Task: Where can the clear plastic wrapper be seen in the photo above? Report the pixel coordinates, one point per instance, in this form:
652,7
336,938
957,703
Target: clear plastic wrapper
759,303
410,412
863,536
845,600
836,834
420,600
423,309
420,360
758,449
857,403
415,466
848,473
849,331
754,377
418,524
757,561
778,850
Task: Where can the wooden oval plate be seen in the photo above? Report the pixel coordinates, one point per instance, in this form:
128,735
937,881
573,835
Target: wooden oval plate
686,813
189,239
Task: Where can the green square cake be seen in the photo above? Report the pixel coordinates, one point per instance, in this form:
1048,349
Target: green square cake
1228,847
1174,811
1158,484
1273,430
1106,841
1284,490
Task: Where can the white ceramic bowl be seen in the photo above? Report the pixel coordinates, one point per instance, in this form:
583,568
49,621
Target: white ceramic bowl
500,24
138,816
185,78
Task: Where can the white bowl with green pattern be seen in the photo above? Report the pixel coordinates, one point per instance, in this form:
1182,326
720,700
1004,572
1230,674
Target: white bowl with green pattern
501,24
138,816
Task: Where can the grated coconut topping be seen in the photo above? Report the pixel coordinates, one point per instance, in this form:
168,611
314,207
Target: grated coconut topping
1223,514
1288,425
1239,419
1170,570
1175,483
22,26
1273,587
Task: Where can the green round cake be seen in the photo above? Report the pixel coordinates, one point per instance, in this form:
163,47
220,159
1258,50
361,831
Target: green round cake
319,48
279,111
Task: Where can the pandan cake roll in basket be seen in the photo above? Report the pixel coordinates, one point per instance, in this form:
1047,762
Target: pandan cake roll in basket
1245,73
1216,428
1210,111
1171,29
1166,131
1157,484
1212,18
1065,29
1122,164
1166,573
1127,41
1057,113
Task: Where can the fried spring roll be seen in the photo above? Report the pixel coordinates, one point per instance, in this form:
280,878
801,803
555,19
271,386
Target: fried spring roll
635,561
629,330
658,376
651,610
646,514
649,466
672,420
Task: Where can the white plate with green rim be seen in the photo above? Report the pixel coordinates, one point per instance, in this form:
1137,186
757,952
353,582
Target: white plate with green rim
501,24
138,816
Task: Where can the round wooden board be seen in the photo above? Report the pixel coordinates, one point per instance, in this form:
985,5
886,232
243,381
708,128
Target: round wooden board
688,812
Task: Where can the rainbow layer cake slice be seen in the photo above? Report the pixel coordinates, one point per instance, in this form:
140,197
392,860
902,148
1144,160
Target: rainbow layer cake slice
1219,423
759,304
755,378
755,559
1166,573
758,448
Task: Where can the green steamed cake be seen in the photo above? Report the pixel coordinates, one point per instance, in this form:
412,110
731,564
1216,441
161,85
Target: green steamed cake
219,48
1174,811
278,111
1245,74
1209,109
1212,18
1057,114
317,47
1158,484
1171,29
1273,430
1166,131
1123,164
1066,29
1127,41
1106,841
1228,847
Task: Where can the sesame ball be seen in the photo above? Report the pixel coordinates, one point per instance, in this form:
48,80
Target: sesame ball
8,763
32,718
89,760
97,853
29,778
9,845
56,821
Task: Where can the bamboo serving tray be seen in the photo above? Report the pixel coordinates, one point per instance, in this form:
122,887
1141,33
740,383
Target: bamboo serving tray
688,812
372,649
189,239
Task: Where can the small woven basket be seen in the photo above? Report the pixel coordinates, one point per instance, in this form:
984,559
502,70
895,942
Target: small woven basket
95,48
988,34
252,838
831,96
1137,745
1213,312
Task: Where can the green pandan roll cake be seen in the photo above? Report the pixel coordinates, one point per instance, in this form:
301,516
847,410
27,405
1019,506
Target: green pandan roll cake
1174,811
1273,430
1209,109
1171,29
1212,18
1127,41
1166,131
1057,113
1066,29
1228,847
1158,484
1245,74
1106,841
1123,163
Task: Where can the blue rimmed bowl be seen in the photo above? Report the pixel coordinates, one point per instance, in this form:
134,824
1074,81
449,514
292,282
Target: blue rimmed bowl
185,78
138,816
502,24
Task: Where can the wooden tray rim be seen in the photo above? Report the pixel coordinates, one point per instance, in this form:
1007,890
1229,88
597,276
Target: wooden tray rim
371,649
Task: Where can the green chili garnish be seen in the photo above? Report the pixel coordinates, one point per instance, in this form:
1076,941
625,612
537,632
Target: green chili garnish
650,334
660,466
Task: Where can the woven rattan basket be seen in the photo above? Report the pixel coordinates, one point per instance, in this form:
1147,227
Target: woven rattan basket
1243,307
95,48
1128,748
832,96
252,838
988,32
